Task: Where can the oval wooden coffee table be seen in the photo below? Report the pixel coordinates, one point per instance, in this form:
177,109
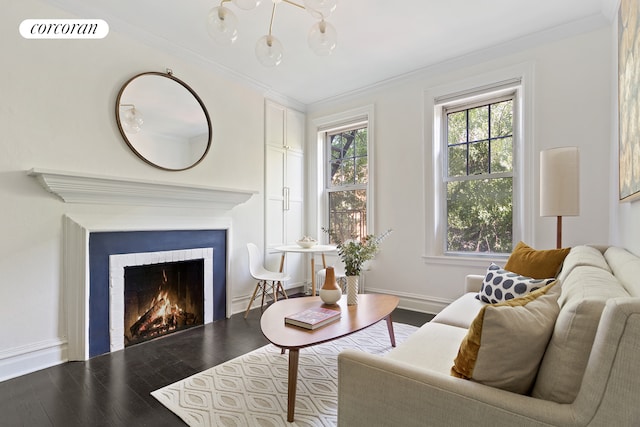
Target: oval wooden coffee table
371,308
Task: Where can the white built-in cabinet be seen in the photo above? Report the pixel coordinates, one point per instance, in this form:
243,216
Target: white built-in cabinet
284,187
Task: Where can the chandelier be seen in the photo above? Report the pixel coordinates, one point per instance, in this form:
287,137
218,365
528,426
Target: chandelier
222,25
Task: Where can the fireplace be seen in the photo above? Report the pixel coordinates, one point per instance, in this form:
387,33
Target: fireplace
112,255
129,206
156,293
163,298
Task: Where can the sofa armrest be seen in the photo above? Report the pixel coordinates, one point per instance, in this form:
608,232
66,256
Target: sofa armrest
473,282
378,391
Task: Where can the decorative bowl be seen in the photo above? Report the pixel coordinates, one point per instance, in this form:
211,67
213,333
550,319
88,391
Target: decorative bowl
307,243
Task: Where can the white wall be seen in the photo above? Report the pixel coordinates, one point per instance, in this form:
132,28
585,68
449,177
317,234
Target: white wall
571,97
57,112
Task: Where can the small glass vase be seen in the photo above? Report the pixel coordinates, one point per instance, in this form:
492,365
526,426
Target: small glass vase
330,292
352,290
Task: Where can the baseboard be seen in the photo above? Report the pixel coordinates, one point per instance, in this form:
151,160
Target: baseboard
33,357
416,302
239,304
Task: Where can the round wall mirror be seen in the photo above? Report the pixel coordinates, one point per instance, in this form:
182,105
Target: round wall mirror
163,121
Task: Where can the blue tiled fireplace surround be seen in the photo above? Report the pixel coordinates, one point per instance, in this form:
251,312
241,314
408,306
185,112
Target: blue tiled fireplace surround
103,244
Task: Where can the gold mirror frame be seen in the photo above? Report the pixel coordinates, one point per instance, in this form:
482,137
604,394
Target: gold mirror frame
163,121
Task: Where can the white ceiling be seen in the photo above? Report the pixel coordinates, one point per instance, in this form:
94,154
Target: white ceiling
377,40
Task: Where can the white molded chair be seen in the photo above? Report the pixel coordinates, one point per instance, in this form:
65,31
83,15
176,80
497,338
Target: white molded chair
268,281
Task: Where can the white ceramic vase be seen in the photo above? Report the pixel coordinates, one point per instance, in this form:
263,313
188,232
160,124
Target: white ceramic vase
352,290
330,292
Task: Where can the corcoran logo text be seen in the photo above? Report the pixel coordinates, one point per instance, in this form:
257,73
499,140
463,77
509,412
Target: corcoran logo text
64,29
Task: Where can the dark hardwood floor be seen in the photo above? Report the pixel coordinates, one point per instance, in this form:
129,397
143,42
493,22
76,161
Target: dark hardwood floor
114,389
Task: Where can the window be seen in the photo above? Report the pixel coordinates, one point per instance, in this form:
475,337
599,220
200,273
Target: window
478,174
347,177
344,179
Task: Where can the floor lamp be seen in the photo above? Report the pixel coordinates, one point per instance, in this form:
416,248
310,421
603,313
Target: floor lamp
559,185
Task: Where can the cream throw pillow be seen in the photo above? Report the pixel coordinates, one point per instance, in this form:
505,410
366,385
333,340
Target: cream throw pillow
506,341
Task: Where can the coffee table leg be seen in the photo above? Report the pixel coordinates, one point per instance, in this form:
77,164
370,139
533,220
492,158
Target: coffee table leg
293,382
392,336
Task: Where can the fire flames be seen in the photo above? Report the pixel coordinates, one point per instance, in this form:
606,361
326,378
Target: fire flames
161,308
161,317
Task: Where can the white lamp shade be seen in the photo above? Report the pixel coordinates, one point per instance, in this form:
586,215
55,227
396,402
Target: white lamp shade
559,182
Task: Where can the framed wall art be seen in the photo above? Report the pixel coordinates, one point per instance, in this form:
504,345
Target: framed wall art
629,98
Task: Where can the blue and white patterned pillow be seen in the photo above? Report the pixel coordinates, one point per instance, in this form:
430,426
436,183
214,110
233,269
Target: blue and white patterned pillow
501,285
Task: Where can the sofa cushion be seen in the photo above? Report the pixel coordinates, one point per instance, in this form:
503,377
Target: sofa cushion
539,264
502,285
584,294
506,341
626,268
588,281
565,360
433,347
581,256
461,312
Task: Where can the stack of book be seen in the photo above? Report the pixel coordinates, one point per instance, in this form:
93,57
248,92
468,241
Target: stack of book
313,318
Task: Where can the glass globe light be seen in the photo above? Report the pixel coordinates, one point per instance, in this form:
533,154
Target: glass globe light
222,25
324,7
269,51
322,38
247,4
132,120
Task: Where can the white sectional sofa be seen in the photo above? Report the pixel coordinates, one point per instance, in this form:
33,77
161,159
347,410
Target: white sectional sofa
589,374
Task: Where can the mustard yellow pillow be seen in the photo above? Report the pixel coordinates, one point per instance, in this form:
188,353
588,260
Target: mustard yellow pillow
506,341
537,264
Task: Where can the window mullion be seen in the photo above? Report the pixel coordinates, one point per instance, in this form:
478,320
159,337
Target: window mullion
467,139
489,140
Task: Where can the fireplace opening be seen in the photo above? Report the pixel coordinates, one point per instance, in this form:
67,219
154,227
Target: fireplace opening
160,299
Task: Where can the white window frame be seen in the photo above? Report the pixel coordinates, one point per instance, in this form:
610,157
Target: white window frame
336,122
516,80
464,104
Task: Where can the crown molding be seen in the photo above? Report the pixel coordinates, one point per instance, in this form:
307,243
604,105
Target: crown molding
73,187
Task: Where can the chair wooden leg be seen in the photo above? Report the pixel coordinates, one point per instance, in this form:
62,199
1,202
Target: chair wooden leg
255,291
281,289
264,291
274,289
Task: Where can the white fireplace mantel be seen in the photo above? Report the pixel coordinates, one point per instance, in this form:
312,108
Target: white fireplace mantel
74,187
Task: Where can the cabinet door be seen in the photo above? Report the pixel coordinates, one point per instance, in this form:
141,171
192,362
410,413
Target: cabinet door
294,215
294,131
274,196
274,124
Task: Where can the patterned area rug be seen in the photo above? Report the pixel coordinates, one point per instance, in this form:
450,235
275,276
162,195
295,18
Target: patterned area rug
251,390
